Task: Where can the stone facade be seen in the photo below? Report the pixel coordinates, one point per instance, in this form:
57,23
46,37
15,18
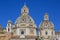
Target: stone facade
25,28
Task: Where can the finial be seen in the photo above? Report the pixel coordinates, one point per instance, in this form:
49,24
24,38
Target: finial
46,16
25,9
24,4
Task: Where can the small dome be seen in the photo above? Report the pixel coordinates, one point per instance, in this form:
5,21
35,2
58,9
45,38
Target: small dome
46,24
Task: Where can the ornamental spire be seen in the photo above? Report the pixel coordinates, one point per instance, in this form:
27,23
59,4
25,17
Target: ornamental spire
24,4
25,9
46,17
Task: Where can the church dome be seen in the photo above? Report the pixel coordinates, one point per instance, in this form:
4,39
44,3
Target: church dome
24,17
46,23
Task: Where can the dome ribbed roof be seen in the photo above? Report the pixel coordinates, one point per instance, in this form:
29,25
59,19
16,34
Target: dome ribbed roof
46,24
24,19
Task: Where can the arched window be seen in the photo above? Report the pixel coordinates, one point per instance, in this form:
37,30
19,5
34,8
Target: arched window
24,10
23,19
22,32
46,32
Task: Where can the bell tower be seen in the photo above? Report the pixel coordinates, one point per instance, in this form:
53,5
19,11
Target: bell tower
9,25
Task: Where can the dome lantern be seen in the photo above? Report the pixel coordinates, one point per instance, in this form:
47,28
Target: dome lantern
46,17
25,9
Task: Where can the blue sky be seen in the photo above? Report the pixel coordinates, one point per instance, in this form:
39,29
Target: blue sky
11,9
